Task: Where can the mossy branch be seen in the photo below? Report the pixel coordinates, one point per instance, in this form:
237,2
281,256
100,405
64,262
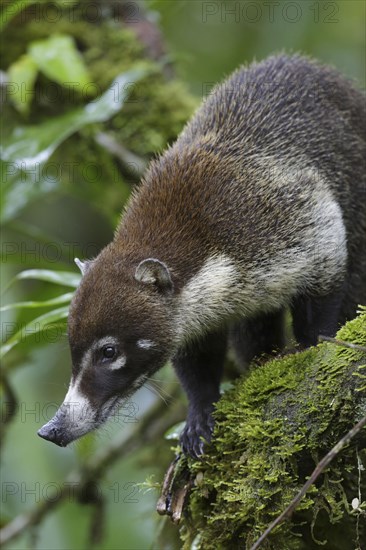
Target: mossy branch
271,430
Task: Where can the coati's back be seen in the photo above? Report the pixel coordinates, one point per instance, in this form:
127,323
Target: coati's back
292,134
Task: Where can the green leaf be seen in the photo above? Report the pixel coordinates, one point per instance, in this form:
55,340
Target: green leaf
65,278
225,386
22,75
175,431
30,146
38,325
62,299
114,98
59,59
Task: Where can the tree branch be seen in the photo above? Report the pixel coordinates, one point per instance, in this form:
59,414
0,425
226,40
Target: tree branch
341,343
10,405
132,163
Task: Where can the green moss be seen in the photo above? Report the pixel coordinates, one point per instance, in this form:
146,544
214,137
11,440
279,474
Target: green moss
272,428
155,112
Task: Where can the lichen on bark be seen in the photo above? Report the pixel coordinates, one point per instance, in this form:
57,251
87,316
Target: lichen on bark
272,428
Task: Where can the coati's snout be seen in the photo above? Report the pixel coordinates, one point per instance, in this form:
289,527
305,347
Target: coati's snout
78,415
75,417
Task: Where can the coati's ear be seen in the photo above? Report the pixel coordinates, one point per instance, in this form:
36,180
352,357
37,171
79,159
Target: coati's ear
83,266
154,272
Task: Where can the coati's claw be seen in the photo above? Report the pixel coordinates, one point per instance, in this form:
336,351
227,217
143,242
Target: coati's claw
195,435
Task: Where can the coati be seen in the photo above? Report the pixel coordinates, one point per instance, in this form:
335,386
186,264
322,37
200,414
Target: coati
259,205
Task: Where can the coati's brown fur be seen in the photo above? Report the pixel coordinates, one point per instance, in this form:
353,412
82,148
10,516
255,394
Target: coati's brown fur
259,205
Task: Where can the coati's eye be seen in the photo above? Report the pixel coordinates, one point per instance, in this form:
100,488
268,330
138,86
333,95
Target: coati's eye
108,352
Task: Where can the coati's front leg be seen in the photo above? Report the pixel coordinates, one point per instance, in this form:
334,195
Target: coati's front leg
199,367
313,316
262,334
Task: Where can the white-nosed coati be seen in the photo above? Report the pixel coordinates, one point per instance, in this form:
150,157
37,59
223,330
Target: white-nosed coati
259,205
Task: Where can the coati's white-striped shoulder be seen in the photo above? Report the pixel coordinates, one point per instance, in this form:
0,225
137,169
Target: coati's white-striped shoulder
206,296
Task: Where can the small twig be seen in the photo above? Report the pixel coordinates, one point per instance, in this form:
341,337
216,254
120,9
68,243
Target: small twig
359,512
178,501
176,487
342,343
163,504
132,163
97,524
318,470
10,405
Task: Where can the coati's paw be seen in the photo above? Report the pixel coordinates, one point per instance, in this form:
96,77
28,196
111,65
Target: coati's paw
197,431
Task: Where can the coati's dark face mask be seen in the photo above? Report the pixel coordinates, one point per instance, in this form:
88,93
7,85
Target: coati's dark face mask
109,362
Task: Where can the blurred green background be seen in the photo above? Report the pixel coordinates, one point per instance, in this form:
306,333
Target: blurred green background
76,136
